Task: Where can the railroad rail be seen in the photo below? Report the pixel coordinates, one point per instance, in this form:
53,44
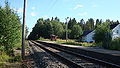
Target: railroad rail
43,59
88,58
64,60
78,63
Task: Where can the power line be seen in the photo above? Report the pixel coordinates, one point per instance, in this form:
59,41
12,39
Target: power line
51,7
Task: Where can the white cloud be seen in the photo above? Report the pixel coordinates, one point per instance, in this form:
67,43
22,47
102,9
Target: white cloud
33,14
83,14
33,8
78,6
20,10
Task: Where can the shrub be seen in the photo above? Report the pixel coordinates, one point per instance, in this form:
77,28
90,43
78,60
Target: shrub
2,48
88,44
115,44
17,58
4,57
102,35
10,28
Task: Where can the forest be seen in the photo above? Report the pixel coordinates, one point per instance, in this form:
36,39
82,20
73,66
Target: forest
45,28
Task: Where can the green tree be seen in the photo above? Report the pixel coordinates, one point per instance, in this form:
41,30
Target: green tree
37,30
45,28
108,20
101,21
10,29
90,24
56,19
102,35
82,24
48,29
76,32
58,28
71,23
97,23
117,22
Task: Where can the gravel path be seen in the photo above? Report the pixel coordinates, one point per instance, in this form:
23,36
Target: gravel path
43,59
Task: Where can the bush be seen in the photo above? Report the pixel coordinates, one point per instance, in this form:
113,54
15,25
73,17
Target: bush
17,58
4,57
10,29
99,44
2,48
115,44
102,35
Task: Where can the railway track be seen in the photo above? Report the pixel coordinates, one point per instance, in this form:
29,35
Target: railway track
76,52
74,59
42,59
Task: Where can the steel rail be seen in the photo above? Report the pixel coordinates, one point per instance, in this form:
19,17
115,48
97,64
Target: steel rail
97,61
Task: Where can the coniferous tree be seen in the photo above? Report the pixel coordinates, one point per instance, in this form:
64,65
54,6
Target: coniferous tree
97,23
82,24
71,23
10,29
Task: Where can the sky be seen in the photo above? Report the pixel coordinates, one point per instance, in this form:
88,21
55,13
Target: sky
79,9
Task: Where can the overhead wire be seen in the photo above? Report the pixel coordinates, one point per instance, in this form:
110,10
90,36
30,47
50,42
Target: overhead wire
52,6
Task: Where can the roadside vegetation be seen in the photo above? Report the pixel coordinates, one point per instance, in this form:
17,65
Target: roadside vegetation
104,39
75,42
10,37
102,35
70,42
43,30
115,44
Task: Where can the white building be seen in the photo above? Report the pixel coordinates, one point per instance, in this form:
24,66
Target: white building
115,31
88,35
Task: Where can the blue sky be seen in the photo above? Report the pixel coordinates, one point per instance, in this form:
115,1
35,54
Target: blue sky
96,9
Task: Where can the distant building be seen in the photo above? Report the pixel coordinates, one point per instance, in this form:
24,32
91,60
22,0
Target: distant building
53,37
115,30
88,35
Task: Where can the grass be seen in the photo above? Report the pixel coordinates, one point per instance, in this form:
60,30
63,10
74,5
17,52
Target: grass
4,57
43,39
115,44
10,65
6,60
69,42
89,44
73,42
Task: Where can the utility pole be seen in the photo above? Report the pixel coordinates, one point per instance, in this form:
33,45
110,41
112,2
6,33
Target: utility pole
66,29
23,31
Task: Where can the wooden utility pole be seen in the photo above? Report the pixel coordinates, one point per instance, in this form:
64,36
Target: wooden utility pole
23,31
66,29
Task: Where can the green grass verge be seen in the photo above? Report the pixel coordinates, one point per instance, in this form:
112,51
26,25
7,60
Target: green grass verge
115,44
4,58
73,42
43,39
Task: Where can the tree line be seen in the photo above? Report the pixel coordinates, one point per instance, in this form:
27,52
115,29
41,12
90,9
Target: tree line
10,29
46,28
